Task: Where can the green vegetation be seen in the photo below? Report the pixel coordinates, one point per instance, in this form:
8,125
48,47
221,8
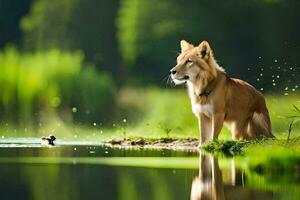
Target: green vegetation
168,113
156,111
295,119
93,71
151,44
128,47
44,84
156,114
228,147
85,25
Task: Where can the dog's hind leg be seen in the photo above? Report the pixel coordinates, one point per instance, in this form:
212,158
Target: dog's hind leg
238,129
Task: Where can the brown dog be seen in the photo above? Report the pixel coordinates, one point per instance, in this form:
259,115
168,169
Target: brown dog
217,99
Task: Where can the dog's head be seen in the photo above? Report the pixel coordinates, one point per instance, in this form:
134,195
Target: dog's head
191,62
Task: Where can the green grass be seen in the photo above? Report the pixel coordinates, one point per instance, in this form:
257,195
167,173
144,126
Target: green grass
227,147
168,113
155,113
230,148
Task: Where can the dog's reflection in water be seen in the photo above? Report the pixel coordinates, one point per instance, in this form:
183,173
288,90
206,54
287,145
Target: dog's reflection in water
209,185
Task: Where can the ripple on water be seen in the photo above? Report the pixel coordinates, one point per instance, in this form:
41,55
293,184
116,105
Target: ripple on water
36,142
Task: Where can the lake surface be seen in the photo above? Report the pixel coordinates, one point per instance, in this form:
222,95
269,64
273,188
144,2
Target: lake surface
81,170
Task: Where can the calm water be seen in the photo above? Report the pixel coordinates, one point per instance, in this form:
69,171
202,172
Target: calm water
78,170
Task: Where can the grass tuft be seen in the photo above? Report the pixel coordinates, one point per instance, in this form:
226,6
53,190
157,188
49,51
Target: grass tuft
228,147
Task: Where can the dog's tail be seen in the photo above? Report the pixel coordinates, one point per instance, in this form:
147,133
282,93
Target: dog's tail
261,124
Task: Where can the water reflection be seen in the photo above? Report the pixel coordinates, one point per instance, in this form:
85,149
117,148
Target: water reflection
210,184
64,173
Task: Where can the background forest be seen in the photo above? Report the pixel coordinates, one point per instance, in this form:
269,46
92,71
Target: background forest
99,68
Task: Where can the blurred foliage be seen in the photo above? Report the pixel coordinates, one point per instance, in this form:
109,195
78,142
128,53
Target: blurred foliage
138,40
146,31
46,82
46,25
256,48
11,12
157,113
141,22
136,43
94,96
146,34
156,110
78,24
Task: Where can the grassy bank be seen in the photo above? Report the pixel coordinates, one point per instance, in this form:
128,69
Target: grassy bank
168,112
155,113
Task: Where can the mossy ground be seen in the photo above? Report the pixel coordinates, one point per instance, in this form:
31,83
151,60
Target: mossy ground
230,147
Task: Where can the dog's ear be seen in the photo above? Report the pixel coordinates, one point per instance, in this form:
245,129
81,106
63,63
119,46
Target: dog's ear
185,45
204,50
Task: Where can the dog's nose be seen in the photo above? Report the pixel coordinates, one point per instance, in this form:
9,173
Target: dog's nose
173,71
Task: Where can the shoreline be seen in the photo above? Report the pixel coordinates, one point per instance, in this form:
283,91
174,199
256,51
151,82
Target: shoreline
226,147
188,144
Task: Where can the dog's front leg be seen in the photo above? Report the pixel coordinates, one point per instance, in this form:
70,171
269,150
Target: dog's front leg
217,124
205,126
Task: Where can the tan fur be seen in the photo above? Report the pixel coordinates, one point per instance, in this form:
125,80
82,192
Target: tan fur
217,99
210,184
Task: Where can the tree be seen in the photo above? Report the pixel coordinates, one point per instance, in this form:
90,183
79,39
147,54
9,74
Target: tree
10,13
76,24
246,36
